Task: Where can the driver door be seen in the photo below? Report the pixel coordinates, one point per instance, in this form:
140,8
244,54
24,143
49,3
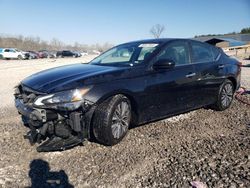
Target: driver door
171,91
13,53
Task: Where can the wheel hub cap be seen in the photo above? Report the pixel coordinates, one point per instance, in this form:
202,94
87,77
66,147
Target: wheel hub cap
120,120
227,95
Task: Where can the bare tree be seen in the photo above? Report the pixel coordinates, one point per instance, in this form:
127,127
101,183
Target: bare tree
56,44
157,30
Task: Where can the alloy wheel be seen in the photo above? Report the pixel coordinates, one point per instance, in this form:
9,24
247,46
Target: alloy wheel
120,120
227,95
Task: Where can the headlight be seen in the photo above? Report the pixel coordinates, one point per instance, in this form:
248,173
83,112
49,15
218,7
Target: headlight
66,100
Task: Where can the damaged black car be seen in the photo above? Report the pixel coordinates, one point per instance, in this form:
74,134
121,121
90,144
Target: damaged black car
131,84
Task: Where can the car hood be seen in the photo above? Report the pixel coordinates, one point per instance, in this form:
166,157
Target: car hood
72,76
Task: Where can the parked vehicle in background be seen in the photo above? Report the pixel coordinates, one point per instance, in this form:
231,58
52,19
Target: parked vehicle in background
130,84
96,52
33,55
52,54
27,55
59,54
78,54
84,53
43,54
12,53
67,53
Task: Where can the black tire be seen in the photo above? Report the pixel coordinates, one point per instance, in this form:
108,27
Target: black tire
109,128
225,96
19,57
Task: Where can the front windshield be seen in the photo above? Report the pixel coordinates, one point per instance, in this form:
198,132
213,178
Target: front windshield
126,54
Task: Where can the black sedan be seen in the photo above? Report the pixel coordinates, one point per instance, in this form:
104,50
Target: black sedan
67,53
130,84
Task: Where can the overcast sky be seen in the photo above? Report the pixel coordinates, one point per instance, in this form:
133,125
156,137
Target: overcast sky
114,21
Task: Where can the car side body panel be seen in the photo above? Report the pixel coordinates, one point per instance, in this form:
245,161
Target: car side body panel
153,93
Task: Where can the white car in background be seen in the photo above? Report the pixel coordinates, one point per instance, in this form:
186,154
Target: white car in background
12,53
84,53
96,52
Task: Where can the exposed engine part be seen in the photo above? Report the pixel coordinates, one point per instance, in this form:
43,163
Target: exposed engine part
44,129
61,129
55,130
75,121
43,115
61,132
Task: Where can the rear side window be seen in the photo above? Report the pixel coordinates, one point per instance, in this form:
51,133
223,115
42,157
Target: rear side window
201,53
216,52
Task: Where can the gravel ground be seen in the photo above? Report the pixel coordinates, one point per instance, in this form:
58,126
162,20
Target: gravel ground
203,145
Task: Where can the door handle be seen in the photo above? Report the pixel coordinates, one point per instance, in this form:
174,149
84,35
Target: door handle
190,75
221,66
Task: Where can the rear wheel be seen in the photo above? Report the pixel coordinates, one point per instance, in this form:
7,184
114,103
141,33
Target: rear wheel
112,119
225,96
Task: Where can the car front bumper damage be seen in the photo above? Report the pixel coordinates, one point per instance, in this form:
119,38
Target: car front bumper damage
55,130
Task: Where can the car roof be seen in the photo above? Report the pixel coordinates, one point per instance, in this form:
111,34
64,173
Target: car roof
9,48
158,40
163,40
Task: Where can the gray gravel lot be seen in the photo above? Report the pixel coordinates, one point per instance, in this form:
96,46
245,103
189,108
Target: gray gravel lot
203,145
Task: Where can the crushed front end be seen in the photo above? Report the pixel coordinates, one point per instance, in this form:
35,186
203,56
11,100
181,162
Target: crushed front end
56,121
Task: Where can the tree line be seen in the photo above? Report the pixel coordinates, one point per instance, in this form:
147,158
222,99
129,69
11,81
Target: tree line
243,31
36,44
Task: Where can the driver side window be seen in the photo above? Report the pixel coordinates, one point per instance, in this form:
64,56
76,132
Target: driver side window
177,52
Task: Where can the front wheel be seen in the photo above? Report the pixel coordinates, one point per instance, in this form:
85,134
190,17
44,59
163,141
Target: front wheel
19,57
225,96
112,119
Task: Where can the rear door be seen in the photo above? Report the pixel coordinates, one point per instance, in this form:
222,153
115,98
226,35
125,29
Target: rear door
173,90
13,53
6,53
205,59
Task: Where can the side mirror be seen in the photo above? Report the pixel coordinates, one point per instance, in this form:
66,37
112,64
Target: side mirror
163,64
